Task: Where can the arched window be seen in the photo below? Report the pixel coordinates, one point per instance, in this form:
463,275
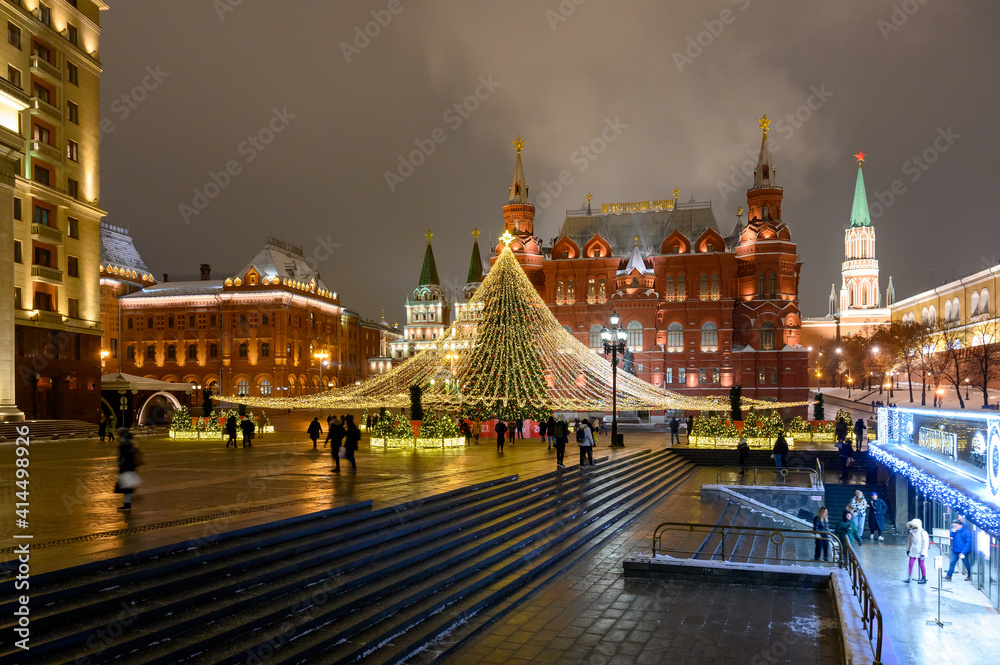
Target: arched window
924,316
571,292
704,287
675,338
591,291
715,286
193,352
774,286
131,353
634,331
244,350
681,290
932,315
767,336
265,387
984,301
242,387
213,387
602,294
864,295
560,293
150,352
760,285
670,287
171,352
956,309
947,311
974,303
595,336
709,337
635,281
568,329
265,350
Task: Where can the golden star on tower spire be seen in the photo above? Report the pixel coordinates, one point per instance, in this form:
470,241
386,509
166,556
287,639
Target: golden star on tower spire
676,192
764,124
589,196
475,234
429,236
518,144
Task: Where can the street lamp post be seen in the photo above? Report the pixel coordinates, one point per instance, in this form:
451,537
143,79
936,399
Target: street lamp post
614,343
322,358
966,388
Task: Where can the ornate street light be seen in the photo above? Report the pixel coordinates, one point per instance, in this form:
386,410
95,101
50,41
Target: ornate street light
322,357
614,343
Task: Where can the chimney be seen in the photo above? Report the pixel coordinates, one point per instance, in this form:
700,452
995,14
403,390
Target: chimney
206,272
166,277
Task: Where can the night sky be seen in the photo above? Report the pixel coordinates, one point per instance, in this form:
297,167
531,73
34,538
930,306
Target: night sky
675,88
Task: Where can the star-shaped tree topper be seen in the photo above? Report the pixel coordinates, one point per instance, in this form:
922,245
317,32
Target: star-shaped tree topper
860,157
764,124
507,238
518,144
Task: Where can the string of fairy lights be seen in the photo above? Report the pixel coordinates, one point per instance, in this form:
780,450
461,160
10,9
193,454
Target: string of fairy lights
506,354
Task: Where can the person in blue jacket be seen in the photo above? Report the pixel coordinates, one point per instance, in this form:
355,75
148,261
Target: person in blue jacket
961,546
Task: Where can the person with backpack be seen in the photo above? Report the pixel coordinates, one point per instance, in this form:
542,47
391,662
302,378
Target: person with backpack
561,432
351,443
314,431
501,429
335,433
550,429
585,439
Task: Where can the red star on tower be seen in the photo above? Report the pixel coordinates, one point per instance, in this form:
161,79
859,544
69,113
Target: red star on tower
860,157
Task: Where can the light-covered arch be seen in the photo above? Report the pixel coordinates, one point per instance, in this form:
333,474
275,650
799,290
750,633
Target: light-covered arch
149,414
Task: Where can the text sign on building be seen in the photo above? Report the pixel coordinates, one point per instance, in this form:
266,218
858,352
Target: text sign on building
938,440
637,206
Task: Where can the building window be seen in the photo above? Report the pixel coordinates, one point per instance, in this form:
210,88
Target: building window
193,352
702,376
170,322
571,292
242,387
634,331
73,227
762,375
130,354
149,323
681,375
17,208
72,150
715,375
150,352
191,321
681,289
13,35
602,294
595,336
213,351
774,286
73,266
767,336
704,287
591,291
114,347
73,188
45,14
715,286
668,376
129,323
670,287
73,113
211,320
265,387
18,256
677,248
984,301
709,337
74,308
675,338
244,350
265,350
760,286
72,73
774,375
72,34
41,133
171,352
14,75
42,175
565,254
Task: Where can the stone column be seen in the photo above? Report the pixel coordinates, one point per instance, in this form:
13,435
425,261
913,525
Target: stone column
902,488
11,147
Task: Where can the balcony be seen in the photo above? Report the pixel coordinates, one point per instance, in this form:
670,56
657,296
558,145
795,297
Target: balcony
42,66
46,233
46,274
43,149
46,108
50,318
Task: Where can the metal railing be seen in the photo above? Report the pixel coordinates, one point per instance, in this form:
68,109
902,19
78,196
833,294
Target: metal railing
769,472
733,534
871,615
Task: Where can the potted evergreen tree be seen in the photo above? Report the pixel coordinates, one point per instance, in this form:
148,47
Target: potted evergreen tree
416,410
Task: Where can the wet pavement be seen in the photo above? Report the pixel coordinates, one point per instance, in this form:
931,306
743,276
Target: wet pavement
199,488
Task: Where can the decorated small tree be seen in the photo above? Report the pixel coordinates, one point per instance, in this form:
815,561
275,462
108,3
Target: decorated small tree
416,408
735,395
818,411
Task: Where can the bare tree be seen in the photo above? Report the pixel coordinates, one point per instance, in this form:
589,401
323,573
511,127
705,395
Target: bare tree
983,354
952,338
904,343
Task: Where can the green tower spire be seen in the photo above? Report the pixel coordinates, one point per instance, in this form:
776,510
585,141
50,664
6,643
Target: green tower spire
476,263
859,211
429,272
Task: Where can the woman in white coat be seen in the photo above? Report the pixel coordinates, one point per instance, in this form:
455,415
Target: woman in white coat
917,542
585,439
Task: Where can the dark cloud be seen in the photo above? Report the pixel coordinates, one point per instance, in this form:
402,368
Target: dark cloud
890,89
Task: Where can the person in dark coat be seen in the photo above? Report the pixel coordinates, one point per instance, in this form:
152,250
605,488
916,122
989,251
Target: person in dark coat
466,432
675,429
845,455
519,428
231,430
352,438
102,426
690,430
335,435
860,429
561,430
780,450
821,525
501,429
129,459
542,425
550,430
961,547
510,432
314,431
247,426
743,448
877,509
841,430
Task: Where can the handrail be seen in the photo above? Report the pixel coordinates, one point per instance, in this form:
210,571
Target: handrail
776,536
784,471
871,615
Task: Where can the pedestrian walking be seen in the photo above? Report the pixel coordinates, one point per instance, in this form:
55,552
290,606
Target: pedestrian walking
102,425
961,547
585,439
604,426
917,543
873,406
595,426
466,432
859,506
477,427
550,428
690,428
821,526
861,433
112,427
743,448
501,429
562,438
844,530
510,432
542,426
248,427
840,429
877,509
129,459
351,440
675,429
780,450
845,458
231,430
335,436
519,428
315,429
